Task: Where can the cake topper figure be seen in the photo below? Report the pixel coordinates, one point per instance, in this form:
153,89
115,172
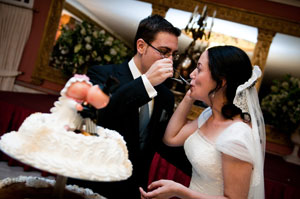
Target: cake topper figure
83,91
79,102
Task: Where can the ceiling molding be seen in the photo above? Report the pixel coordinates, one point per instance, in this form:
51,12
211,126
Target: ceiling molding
234,14
288,2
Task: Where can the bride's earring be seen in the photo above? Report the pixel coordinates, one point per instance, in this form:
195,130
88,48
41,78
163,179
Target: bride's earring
213,95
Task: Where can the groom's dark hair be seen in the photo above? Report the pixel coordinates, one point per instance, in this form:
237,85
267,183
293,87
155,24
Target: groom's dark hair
150,26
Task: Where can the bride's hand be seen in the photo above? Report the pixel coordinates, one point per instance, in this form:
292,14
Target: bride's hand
187,98
188,94
161,189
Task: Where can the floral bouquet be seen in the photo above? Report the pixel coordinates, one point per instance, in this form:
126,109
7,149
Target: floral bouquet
82,46
281,106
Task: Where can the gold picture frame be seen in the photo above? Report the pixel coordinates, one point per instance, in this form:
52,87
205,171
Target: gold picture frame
42,70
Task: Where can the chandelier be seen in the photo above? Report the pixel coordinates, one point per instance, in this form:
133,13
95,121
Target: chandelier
198,31
197,24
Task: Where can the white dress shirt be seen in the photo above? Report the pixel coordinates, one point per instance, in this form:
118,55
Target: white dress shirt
149,88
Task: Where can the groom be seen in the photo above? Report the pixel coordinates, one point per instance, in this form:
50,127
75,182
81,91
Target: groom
141,92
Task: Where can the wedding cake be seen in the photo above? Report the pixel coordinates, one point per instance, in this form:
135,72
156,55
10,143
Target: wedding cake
47,141
42,145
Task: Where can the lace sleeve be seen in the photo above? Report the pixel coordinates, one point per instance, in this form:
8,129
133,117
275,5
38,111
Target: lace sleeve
236,141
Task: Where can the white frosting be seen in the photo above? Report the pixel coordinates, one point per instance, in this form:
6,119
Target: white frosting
38,182
44,142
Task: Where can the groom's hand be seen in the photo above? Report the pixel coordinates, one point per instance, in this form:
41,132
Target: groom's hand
160,71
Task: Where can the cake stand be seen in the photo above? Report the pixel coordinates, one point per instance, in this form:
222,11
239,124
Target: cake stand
59,186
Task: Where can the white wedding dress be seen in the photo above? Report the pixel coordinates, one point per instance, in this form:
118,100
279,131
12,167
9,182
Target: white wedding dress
205,156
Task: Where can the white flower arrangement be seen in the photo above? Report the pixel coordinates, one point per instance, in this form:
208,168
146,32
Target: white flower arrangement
83,46
281,106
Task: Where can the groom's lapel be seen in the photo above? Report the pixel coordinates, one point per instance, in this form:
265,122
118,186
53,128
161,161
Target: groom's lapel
123,73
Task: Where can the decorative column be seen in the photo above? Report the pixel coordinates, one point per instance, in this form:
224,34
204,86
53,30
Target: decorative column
159,9
261,50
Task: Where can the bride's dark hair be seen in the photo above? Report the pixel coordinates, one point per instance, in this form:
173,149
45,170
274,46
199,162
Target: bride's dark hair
233,65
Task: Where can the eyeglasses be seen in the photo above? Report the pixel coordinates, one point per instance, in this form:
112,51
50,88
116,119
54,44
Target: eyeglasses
165,54
175,56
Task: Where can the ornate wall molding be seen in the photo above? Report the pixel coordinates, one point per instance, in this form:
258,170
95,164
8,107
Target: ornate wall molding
260,54
238,15
159,9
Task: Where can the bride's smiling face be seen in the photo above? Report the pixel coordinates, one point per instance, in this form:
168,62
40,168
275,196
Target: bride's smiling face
202,82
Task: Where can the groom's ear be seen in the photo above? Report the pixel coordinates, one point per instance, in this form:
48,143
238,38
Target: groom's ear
224,82
141,46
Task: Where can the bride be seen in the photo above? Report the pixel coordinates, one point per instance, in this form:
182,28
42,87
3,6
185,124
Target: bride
226,144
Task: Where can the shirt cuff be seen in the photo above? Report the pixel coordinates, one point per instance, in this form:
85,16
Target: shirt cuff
149,88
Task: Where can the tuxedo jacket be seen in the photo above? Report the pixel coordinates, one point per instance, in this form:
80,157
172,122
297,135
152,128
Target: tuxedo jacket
122,114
